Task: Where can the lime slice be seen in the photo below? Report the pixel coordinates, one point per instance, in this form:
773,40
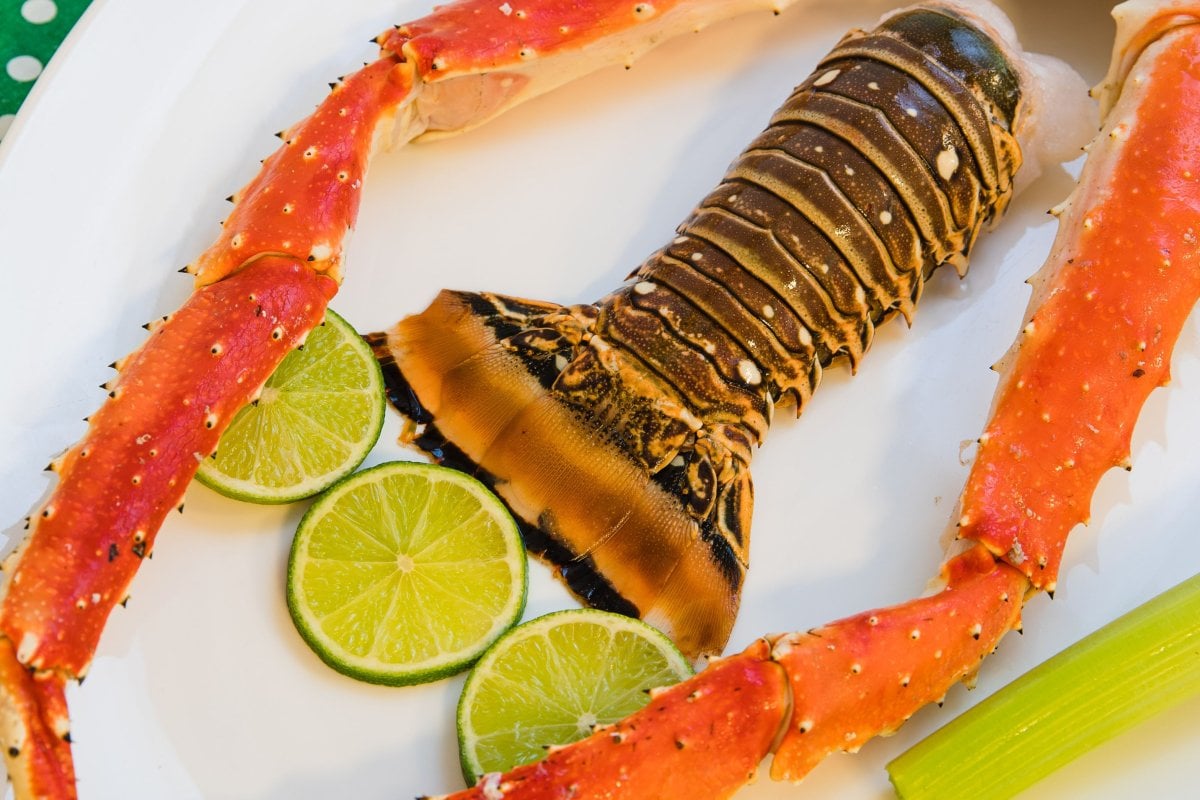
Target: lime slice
405,573
552,680
319,415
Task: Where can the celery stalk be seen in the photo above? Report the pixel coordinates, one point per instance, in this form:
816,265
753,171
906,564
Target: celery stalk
1124,673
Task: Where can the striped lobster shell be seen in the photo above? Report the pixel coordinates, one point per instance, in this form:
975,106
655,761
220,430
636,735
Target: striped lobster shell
620,433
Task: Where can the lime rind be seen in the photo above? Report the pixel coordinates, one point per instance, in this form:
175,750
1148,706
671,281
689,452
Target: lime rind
335,399
542,695
456,605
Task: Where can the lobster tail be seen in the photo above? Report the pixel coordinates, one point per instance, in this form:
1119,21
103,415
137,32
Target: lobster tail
620,433
607,473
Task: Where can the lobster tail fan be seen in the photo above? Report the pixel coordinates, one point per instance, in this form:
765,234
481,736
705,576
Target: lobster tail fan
639,508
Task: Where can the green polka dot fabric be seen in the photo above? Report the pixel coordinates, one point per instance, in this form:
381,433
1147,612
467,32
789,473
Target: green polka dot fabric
30,32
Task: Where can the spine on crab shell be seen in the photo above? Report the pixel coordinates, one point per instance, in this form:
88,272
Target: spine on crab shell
165,412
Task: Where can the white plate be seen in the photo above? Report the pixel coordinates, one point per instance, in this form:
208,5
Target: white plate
112,178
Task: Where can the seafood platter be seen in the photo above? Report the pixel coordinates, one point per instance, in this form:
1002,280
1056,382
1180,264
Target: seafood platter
642,341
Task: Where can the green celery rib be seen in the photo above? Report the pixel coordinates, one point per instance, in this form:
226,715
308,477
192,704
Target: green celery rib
1126,672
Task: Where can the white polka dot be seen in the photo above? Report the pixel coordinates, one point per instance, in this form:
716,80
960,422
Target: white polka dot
39,12
6,121
23,68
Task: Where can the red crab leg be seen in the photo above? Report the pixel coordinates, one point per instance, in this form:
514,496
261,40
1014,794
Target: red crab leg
865,675
266,282
1107,308
166,410
35,724
704,738
447,72
700,738
174,397
1123,276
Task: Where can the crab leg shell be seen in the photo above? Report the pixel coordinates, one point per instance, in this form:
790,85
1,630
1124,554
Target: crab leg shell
33,729
445,73
173,399
865,675
1140,23
479,58
1123,275
833,688
700,738
165,413
304,200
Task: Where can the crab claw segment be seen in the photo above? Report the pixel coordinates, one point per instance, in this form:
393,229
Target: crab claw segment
169,406
305,199
446,73
1140,23
700,738
865,675
33,729
1122,277
479,58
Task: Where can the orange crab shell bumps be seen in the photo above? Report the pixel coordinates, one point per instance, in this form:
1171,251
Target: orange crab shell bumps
305,199
1125,273
475,37
862,676
121,480
701,738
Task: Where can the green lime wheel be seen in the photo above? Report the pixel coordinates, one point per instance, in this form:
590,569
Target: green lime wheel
405,573
319,415
554,679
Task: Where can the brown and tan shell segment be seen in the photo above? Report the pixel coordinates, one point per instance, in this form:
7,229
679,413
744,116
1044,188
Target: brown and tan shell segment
560,472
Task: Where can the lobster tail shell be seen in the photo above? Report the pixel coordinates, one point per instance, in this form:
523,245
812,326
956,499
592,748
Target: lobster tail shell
621,432
460,371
